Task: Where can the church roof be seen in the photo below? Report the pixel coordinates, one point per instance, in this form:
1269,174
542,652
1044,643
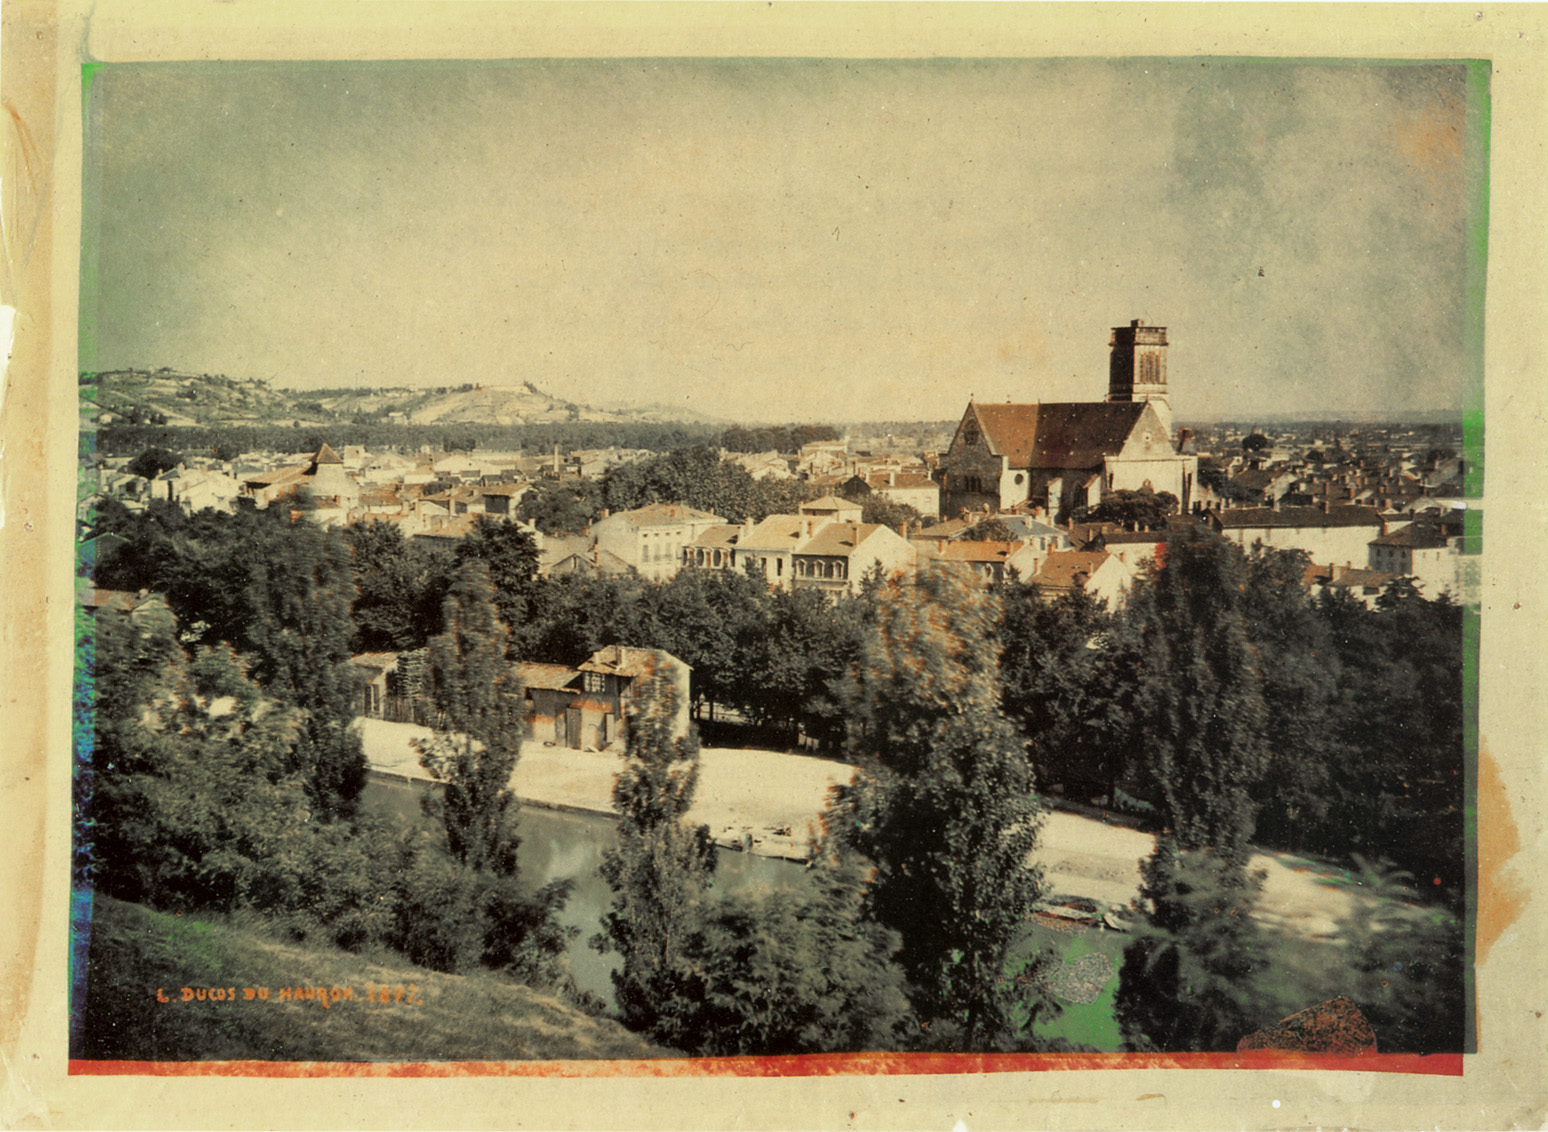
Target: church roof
1059,434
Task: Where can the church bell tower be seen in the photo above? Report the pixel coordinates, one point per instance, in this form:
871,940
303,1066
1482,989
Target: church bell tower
1137,370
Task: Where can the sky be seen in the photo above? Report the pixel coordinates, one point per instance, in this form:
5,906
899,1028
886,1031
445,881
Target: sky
788,240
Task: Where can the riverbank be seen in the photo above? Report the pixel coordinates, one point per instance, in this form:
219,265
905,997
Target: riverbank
770,803
763,802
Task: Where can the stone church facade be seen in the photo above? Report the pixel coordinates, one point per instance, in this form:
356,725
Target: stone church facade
1058,456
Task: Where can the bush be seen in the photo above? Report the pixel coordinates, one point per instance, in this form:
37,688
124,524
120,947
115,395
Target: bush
438,921
771,975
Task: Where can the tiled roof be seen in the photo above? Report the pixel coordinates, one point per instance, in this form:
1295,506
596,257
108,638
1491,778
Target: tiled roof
381,661
1060,434
279,476
723,536
1255,479
838,540
666,514
460,527
1378,578
880,480
949,529
555,548
326,455
553,677
828,503
1416,536
987,551
1060,568
121,600
777,532
624,660
1336,516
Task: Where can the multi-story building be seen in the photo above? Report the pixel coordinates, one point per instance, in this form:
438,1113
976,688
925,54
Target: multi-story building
1066,455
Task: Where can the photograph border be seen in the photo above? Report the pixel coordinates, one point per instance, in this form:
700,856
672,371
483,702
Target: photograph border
43,46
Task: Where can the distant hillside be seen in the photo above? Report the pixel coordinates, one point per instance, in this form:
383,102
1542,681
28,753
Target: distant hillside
134,951
169,397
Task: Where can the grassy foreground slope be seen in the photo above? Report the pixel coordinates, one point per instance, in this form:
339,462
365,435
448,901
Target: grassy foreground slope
135,952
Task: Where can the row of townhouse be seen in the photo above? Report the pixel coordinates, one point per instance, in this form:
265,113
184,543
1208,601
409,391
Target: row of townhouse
1358,548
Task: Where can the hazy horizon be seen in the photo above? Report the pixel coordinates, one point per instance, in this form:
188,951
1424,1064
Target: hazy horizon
789,240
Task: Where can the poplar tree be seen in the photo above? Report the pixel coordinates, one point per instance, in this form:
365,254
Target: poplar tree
475,751
1199,716
944,807
1200,724
661,867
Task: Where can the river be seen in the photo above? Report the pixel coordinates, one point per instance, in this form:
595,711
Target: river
559,845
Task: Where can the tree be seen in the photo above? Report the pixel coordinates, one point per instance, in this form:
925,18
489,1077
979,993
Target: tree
511,555
783,973
877,508
1048,676
992,529
661,867
710,619
944,806
295,617
560,507
1395,738
190,799
478,909
399,587
1142,510
152,462
1189,979
1199,722
1256,442
1406,963
475,750
1300,674
1199,716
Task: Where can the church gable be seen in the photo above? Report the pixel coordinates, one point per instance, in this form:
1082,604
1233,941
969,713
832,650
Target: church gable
974,436
1147,439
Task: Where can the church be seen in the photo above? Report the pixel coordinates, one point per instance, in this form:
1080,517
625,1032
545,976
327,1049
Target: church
1059,456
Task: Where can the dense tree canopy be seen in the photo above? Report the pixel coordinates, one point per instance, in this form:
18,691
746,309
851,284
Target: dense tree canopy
774,438
400,584
1199,714
152,462
945,808
1142,510
561,507
701,479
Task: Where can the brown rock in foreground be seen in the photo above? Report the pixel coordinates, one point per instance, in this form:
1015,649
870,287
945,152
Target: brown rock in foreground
1335,1027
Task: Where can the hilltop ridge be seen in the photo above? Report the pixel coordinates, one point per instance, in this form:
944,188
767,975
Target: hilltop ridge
172,397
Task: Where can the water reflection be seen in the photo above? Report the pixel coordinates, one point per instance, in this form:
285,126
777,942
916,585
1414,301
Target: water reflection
557,844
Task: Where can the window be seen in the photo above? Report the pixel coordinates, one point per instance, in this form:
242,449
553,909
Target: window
1020,479
716,557
595,682
779,567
